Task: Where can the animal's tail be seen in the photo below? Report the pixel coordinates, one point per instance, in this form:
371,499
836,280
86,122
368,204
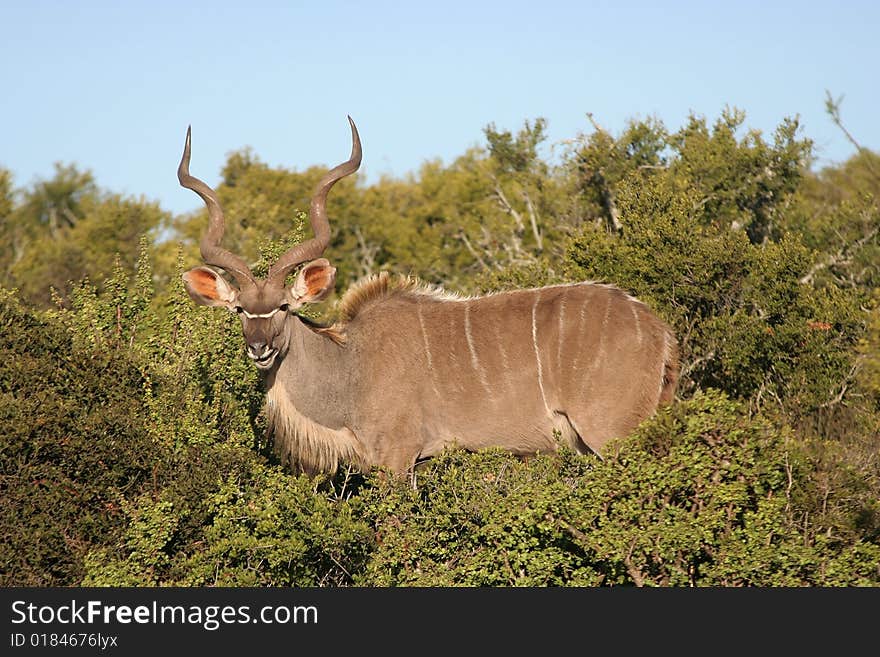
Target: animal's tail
670,375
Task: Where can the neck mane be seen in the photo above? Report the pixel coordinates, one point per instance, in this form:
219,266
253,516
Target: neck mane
303,443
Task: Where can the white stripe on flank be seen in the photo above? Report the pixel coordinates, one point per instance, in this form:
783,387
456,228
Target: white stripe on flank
600,351
538,355
474,360
583,317
505,366
427,349
583,312
632,307
559,337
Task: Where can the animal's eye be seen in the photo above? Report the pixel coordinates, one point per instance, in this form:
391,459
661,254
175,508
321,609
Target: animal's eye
284,307
239,310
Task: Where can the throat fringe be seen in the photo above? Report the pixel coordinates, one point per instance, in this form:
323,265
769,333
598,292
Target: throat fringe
306,445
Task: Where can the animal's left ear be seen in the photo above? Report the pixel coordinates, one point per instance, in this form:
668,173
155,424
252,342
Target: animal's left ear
313,282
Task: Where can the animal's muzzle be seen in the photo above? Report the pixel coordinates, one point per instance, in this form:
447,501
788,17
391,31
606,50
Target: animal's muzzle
262,354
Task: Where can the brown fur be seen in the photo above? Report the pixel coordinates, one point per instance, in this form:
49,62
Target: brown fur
410,369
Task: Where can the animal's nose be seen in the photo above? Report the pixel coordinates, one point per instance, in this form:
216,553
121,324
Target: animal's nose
257,349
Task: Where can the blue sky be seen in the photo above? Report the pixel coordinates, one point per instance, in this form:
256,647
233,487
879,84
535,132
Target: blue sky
111,86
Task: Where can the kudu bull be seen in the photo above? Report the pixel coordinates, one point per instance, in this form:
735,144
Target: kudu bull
408,369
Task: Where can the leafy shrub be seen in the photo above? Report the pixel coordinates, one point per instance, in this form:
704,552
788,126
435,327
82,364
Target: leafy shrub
700,495
248,524
72,439
745,323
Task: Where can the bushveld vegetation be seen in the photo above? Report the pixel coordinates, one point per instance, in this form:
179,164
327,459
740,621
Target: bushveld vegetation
132,434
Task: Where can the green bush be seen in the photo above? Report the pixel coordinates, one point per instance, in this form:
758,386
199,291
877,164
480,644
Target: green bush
699,496
745,323
73,441
247,524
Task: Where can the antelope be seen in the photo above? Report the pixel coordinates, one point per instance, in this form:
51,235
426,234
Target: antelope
408,370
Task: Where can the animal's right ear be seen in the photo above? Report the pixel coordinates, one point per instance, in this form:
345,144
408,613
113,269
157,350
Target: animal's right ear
313,282
208,288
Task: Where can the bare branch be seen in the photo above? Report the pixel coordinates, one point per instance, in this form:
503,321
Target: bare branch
690,366
850,377
632,569
512,247
608,197
506,205
842,257
595,123
609,201
470,247
367,252
833,108
533,219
